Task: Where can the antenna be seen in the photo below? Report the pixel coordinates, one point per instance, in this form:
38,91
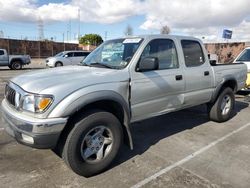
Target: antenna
40,26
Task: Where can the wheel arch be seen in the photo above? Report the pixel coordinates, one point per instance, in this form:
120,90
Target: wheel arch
106,100
16,59
231,83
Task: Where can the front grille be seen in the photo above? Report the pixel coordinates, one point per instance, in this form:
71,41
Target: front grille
10,95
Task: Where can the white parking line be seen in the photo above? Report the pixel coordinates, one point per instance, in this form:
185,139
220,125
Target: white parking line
189,157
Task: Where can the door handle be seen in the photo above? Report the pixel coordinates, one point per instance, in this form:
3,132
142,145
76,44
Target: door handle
178,77
206,73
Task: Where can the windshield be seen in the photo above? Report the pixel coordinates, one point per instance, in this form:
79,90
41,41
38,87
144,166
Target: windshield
59,54
113,53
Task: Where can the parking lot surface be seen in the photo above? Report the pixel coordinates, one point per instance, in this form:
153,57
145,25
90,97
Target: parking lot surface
181,149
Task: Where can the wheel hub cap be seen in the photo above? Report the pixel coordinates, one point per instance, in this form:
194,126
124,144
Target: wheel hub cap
97,144
226,104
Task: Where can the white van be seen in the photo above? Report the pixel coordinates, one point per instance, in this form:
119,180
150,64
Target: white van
66,58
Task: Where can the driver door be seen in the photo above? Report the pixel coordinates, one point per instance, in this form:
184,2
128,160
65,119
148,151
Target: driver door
69,58
158,91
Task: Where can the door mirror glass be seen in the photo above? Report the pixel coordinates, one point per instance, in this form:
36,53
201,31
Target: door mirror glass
148,64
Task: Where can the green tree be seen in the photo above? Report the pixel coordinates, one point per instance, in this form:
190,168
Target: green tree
91,39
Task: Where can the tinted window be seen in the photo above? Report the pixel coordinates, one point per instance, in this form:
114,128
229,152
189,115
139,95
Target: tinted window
86,53
164,50
193,53
70,54
1,52
78,54
245,56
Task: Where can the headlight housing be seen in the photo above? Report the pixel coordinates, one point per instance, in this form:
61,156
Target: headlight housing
36,103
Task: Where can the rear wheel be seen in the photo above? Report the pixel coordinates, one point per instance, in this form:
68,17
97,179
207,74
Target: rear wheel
16,65
58,64
221,110
93,143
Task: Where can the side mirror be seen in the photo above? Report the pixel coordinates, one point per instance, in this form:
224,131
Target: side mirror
212,62
148,64
66,55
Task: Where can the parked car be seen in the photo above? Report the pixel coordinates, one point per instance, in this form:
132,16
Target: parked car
244,57
66,58
84,113
14,62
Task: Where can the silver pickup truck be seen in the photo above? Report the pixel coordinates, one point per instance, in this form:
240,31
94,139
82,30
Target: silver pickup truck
14,62
84,113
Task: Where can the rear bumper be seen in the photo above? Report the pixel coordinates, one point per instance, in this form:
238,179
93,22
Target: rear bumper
34,132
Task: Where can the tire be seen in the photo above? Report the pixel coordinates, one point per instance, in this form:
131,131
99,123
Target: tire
221,110
58,64
16,65
80,151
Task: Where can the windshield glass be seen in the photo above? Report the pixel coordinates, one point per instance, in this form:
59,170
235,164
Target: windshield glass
59,54
113,53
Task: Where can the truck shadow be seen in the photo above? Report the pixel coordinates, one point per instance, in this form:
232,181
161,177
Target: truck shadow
149,132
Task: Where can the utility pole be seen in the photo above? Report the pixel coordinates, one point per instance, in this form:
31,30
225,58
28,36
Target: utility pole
40,26
105,35
79,24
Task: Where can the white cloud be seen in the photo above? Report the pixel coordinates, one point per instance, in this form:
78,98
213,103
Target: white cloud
206,18
194,17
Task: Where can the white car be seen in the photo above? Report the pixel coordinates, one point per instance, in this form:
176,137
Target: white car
66,58
244,57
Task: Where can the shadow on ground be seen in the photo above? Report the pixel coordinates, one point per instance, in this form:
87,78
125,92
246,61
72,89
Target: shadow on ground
149,132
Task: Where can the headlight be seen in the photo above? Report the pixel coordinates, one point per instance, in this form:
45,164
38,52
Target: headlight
36,103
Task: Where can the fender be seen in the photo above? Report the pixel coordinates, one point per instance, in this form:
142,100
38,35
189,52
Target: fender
68,107
228,81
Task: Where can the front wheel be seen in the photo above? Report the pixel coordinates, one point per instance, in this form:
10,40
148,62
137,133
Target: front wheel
93,143
221,110
58,64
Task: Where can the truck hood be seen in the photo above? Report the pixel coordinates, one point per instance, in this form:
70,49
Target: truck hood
69,78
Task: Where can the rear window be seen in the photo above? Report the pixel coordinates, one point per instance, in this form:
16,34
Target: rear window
1,52
193,53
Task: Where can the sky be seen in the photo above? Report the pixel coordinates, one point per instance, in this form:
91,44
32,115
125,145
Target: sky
204,19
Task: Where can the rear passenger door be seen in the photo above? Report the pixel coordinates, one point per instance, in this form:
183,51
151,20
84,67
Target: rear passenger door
197,73
3,58
78,57
158,91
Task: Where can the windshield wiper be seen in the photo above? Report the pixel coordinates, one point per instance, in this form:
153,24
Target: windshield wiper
102,64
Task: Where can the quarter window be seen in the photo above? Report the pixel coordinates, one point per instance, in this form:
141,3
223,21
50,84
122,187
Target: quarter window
1,52
193,53
164,50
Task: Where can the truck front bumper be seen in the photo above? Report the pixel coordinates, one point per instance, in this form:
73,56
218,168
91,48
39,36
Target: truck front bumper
34,132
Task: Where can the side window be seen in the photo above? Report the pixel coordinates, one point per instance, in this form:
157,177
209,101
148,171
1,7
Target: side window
245,56
70,54
1,52
164,50
86,54
193,53
78,54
